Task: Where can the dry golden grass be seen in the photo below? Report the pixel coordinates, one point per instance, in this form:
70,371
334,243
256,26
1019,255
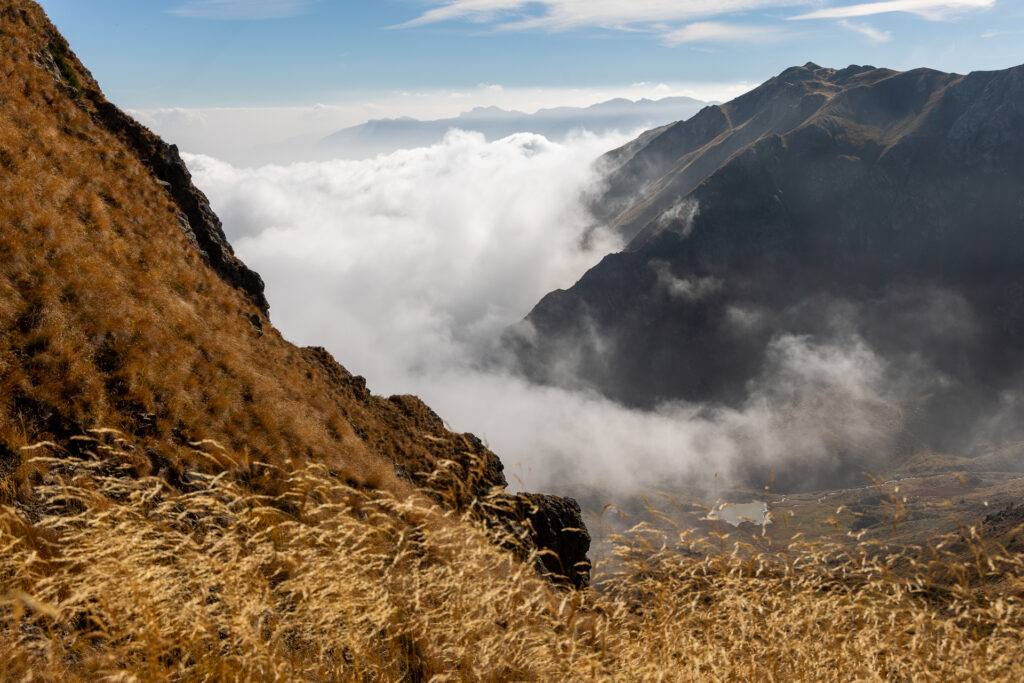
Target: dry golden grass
108,576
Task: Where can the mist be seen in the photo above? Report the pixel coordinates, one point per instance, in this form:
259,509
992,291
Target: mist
286,134
410,266
412,263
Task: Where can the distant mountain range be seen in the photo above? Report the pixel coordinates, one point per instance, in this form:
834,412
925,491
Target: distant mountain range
859,205
387,135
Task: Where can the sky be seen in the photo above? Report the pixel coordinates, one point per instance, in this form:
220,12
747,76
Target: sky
453,53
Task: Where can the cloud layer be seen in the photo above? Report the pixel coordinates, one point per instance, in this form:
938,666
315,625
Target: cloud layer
408,267
405,262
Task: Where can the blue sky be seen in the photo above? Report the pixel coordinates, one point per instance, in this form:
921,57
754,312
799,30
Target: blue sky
272,53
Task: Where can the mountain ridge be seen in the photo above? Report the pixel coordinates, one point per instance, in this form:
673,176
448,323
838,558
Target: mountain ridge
830,205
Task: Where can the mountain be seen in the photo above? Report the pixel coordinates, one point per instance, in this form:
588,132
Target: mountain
866,210
387,135
123,307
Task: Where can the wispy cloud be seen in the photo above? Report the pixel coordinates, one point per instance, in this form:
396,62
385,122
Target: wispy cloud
716,32
996,33
560,15
873,34
929,9
662,18
241,9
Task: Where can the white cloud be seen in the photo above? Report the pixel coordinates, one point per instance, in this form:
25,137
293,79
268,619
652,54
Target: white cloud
715,32
873,34
559,15
408,267
241,9
406,260
929,9
814,402
995,33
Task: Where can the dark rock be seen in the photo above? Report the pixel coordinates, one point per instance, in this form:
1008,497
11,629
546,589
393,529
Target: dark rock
1005,527
257,324
555,527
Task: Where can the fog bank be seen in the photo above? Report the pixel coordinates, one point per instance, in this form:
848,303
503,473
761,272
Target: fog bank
408,267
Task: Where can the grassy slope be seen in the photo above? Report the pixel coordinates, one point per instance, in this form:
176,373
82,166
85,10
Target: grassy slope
109,317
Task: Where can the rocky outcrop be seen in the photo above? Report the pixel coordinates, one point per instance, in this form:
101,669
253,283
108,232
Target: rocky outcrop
1006,527
559,532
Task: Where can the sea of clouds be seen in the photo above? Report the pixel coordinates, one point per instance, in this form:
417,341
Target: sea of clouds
408,267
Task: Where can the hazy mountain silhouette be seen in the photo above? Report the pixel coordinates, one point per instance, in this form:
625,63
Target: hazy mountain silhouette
387,135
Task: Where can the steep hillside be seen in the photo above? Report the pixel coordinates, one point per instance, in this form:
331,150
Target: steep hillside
861,209
123,307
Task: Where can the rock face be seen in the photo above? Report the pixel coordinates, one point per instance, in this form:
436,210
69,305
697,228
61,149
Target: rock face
862,204
557,525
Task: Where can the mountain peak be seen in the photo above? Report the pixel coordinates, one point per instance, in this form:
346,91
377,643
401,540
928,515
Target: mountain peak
860,198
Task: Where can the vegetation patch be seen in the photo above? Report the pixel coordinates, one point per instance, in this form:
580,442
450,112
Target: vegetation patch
59,50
